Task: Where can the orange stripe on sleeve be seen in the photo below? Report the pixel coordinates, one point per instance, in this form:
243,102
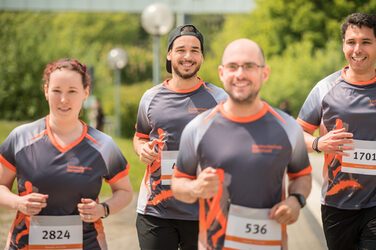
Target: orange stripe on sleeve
305,171
275,114
119,175
179,174
306,125
93,140
7,164
142,135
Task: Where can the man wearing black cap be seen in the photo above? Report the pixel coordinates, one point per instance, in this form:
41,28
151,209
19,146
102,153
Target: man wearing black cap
164,110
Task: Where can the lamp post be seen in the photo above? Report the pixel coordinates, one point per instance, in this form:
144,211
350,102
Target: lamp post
157,19
117,58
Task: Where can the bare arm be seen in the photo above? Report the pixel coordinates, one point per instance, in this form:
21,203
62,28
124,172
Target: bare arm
29,204
121,197
205,186
287,211
330,143
144,148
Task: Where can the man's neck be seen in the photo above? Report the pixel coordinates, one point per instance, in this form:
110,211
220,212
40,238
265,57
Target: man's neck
179,83
243,110
353,76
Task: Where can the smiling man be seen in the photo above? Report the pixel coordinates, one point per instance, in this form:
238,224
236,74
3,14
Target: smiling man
163,222
343,106
233,159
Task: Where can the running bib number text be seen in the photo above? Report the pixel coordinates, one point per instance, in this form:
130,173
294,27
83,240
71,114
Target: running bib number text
362,159
256,228
52,234
251,228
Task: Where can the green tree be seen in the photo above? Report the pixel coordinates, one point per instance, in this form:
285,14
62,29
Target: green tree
301,40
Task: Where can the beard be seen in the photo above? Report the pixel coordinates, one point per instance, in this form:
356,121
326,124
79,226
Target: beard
184,75
242,99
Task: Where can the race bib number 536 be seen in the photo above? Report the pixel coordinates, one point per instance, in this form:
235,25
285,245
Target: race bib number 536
250,228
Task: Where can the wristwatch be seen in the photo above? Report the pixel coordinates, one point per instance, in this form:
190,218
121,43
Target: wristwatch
301,199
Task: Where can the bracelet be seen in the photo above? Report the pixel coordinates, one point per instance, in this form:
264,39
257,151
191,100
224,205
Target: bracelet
315,144
106,210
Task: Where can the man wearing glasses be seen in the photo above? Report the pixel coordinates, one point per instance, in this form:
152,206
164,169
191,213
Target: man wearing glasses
233,159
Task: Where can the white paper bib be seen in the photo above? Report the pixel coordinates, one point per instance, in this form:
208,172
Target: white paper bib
168,161
55,232
250,228
362,159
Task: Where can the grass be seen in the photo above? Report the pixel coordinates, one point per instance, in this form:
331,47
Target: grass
137,168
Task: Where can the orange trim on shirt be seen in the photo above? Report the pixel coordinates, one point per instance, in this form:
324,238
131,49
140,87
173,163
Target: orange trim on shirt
93,140
7,164
120,175
305,171
56,144
251,118
344,76
275,113
200,82
306,125
179,174
140,135
207,87
41,134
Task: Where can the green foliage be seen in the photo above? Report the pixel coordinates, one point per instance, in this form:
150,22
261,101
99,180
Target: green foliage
296,71
301,41
29,40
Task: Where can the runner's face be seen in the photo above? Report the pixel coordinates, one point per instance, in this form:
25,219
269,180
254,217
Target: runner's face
359,47
65,94
243,85
185,56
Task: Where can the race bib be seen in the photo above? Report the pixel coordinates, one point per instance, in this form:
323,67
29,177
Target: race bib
168,161
362,159
55,232
251,228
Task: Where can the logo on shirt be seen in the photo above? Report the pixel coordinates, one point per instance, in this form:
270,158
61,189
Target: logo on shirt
78,169
265,148
194,110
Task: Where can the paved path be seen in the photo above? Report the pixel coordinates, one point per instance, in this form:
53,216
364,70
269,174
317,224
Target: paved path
306,234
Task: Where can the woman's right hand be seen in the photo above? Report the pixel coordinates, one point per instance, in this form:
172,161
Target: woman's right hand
32,204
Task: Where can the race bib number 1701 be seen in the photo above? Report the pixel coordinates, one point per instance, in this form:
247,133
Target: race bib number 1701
362,159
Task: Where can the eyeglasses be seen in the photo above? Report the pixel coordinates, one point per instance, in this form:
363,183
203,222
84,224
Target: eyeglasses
248,67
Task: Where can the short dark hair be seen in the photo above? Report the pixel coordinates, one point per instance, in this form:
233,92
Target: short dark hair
359,20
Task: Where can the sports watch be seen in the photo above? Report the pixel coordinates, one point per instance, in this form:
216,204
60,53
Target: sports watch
301,199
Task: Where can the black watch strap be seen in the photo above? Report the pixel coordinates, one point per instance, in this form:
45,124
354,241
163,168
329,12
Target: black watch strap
301,199
106,210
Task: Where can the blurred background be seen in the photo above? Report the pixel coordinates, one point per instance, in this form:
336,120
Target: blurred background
301,40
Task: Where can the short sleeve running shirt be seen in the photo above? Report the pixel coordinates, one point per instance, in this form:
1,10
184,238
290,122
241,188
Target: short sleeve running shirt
162,115
254,153
66,174
336,103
